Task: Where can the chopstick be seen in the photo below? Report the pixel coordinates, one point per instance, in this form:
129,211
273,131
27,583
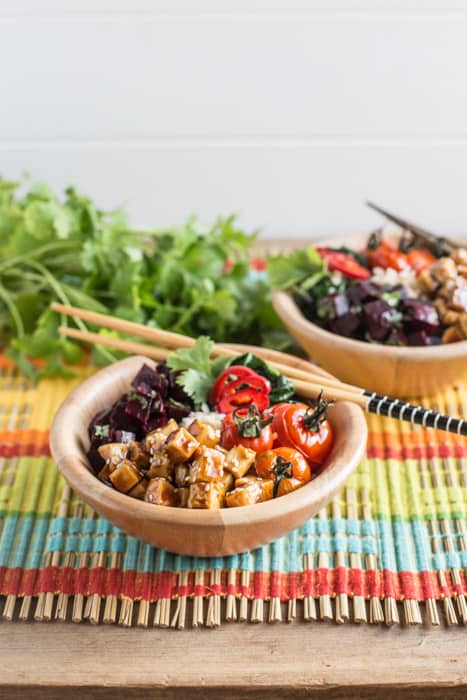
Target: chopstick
169,339
414,228
306,383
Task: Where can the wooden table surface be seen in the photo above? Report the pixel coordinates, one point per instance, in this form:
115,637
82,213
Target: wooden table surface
60,660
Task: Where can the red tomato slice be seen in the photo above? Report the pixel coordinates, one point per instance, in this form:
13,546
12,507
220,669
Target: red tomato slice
341,262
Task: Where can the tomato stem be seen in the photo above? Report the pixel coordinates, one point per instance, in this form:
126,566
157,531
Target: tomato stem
250,424
316,414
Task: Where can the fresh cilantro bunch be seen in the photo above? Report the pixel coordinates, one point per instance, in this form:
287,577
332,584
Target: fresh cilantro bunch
190,279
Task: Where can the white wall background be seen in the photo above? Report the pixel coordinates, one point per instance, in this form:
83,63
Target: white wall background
289,113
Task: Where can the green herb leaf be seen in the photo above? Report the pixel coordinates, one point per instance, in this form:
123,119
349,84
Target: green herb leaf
286,271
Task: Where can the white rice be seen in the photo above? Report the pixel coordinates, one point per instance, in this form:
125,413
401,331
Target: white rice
406,277
209,417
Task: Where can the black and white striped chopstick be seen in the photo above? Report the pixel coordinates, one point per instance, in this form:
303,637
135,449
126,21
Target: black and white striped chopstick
394,408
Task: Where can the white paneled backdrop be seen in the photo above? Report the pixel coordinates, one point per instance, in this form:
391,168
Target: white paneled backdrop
289,113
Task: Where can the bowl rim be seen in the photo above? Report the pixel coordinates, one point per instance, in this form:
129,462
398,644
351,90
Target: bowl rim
285,298
71,461
448,350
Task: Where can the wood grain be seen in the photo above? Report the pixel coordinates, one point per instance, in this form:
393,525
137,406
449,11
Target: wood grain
320,660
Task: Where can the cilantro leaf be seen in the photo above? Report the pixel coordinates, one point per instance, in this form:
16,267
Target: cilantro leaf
286,271
196,358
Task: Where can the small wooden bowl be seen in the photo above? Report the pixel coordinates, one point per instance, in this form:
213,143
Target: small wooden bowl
196,532
394,371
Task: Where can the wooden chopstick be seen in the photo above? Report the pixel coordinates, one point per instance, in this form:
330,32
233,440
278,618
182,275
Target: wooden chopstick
308,389
311,387
176,340
414,228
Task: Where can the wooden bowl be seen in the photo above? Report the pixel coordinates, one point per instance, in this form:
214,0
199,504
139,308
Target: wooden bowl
196,532
393,371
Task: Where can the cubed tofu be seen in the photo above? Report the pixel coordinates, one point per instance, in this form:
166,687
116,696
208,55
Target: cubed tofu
157,438
250,491
226,482
161,466
139,491
125,476
239,459
266,485
181,445
205,434
181,496
160,492
113,452
181,475
207,465
138,455
205,495
104,474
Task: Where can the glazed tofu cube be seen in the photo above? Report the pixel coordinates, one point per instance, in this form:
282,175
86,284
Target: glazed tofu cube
204,433
125,476
181,497
266,485
138,455
156,439
104,474
113,452
161,466
250,491
181,475
160,492
208,465
181,445
139,491
205,495
226,482
239,459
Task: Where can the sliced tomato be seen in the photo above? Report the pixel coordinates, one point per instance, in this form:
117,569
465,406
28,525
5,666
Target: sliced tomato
229,375
420,259
387,255
231,434
346,264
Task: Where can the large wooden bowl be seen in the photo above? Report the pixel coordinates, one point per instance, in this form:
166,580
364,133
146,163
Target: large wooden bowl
394,371
196,532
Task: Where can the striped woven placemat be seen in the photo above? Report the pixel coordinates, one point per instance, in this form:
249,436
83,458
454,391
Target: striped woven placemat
391,548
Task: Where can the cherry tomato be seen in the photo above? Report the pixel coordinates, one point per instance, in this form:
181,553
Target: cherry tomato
386,255
229,375
341,262
230,434
283,464
420,259
293,425
314,442
278,424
